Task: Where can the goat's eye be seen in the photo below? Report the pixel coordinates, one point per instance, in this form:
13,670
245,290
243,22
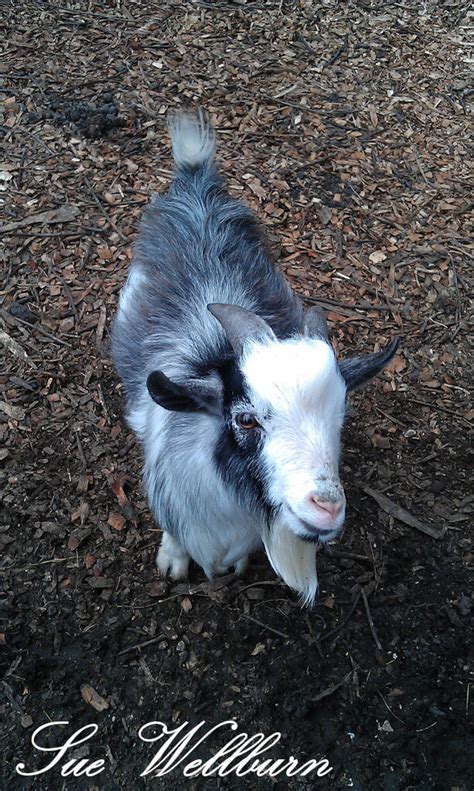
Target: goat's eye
247,421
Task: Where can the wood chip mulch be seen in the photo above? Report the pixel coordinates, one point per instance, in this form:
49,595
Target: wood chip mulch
347,127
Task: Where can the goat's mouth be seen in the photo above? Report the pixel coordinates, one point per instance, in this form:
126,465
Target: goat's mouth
312,533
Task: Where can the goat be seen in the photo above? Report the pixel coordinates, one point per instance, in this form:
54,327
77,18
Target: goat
234,391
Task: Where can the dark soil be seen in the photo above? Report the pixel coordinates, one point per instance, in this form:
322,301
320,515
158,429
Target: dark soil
345,127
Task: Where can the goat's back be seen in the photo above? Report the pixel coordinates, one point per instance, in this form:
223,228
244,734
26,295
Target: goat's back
196,246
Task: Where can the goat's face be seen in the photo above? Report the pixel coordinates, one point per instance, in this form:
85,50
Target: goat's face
287,420
281,408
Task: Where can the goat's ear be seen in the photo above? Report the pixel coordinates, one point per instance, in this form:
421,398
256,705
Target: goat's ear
197,395
358,370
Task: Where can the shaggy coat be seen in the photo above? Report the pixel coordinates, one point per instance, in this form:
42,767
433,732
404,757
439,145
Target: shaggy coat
234,392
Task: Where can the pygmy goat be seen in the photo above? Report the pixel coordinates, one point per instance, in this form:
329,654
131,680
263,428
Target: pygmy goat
233,390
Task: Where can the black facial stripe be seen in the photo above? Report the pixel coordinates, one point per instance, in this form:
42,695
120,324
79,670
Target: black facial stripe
233,381
240,467
238,464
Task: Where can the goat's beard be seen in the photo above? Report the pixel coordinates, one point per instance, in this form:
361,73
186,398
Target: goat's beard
293,558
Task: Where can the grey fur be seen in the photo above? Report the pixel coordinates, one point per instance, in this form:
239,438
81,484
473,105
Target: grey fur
315,323
199,246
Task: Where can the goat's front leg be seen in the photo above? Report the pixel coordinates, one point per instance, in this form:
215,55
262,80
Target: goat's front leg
172,559
238,568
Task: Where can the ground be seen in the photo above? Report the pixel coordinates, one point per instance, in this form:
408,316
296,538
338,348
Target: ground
345,126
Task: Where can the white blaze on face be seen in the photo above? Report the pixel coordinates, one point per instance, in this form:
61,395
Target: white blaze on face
299,397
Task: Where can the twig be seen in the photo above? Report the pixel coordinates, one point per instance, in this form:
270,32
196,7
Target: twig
102,210
14,569
297,106
273,583
371,622
36,328
139,646
103,404
336,55
81,451
329,690
100,326
184,589
440,409
85,257
68,292
420,167
390,710
333,552
392,419
359,306
337,629
265,626
301,40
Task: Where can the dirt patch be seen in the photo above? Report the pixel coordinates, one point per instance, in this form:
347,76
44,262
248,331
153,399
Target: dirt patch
344,126
93,120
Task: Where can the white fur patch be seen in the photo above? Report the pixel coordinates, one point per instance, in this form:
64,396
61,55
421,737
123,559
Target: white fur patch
128,295
293,373
293,559
172,559
192,139
298,396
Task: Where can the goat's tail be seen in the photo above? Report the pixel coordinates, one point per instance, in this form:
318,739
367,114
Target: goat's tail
192,139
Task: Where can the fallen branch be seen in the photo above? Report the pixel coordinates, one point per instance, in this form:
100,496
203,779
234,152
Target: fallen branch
64,214
392,509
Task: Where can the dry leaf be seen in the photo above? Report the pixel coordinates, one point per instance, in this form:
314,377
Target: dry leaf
117,488
123,501
15,412
379,441
81,514
89,560
395,365
93,698
377,257
116,521
186,604
158,588
84,482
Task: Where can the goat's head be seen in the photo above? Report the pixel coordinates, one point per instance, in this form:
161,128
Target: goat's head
282,405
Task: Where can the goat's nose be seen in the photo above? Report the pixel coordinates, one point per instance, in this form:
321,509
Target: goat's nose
331,508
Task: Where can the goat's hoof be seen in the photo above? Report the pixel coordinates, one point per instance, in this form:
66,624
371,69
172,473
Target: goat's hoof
241,565
172,559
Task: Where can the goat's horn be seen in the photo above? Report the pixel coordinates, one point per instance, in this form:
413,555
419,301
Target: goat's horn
241,325
315,323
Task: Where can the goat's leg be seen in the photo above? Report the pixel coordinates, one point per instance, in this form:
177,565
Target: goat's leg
238,567
241,565
172,559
